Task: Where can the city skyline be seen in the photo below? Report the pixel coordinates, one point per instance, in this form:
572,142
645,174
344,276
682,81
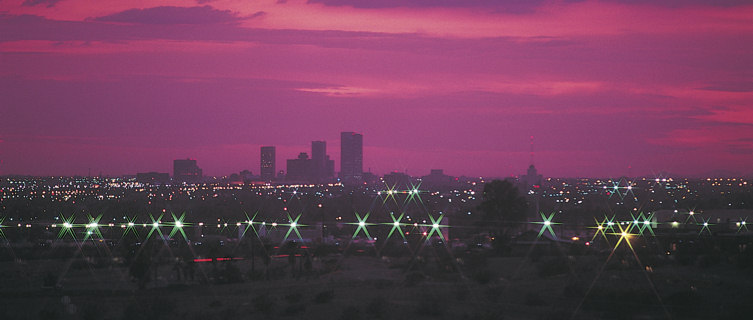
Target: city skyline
607,88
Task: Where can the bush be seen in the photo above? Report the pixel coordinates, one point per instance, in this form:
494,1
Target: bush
377,308
431,306
157,308
413,279
552,267
324,296
351,313
482,276
264,304
534,299
293,297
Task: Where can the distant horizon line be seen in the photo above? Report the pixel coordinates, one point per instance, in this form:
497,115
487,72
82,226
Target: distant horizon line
669,176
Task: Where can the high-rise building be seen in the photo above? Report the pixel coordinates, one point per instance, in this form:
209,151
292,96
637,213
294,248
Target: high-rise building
351,156
267,170
318,160
186,170
299,169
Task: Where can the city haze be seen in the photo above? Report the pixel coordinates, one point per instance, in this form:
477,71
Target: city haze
607,88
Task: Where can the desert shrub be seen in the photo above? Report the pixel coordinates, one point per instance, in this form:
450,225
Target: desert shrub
534,299
324,296
414,278
377,308
552,267
150,308
264,304
351,313
483,276
431,306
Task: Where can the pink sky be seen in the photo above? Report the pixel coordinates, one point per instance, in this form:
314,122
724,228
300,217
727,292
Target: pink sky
127,86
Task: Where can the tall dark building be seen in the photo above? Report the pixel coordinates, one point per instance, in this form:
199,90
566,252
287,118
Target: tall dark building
318,160
351,156
267,170
299,169
186,170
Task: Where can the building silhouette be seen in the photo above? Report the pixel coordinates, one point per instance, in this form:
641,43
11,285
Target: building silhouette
317,169
153,178
437,177
299,169
318,160
532,179
186,170
351,157
267,163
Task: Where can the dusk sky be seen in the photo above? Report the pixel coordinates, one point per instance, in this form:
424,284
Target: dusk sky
607,88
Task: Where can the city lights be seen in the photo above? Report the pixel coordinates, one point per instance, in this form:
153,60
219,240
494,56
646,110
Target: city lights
547,224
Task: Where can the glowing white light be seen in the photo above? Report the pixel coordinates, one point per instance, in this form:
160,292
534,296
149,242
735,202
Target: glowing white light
67,225
691,213
646,222
743,222
705,224
179,224
610,223
130,224
546,223
630,187
435,226
155,224
274,224
293,224
635,221
397,223
361,223
599,227
624,234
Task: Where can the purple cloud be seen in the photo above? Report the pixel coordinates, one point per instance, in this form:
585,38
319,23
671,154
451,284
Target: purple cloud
730,86
513,6
34,3
167,15
509,6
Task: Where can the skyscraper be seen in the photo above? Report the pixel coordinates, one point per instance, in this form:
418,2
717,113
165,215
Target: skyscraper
299,169
318,160
186,170
267,170
351,156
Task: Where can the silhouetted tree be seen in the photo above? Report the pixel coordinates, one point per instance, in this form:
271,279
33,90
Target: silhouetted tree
503,204
141,264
